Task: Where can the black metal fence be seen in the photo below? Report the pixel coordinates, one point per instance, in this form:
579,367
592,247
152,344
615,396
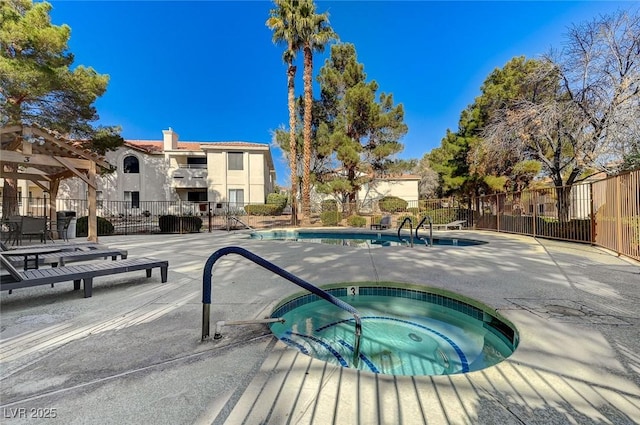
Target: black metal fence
557,213
606,213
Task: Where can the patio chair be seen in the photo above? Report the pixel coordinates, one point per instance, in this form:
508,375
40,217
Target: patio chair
385,223
34,226
454,224
23,279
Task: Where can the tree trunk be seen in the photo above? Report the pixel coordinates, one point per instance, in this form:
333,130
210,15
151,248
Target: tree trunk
306,160
563,203
10,193
293,160
353,196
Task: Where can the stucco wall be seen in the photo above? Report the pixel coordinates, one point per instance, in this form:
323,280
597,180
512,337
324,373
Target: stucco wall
402,188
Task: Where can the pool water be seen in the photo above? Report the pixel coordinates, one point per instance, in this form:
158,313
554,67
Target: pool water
400,336
360,239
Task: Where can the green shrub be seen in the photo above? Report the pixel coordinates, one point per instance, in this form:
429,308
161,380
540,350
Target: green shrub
414,220
329,205
443,215
105,228
413,210
392,204
176,224
191,224
278,200
330,218
356,221
263,209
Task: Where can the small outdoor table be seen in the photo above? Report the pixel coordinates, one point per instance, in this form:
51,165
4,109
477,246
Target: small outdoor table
31,255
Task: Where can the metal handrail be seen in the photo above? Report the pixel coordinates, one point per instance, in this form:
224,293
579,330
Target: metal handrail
430,228
410,229
233,217
206,291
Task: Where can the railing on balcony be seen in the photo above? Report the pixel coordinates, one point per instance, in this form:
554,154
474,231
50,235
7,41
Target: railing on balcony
193,166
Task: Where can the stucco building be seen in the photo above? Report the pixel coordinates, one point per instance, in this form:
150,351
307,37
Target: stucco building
172,170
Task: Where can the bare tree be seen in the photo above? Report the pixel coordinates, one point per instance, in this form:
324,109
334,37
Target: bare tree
586,111
429,179
600,72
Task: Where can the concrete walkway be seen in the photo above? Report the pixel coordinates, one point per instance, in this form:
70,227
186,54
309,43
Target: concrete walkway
132,353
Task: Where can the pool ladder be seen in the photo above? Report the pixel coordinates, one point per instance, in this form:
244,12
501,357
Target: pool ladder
425,218
207,283
410,230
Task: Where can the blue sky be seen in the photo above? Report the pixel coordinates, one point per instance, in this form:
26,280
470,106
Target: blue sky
209,69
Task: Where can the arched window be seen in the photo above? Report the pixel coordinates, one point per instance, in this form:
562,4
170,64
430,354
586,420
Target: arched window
131,165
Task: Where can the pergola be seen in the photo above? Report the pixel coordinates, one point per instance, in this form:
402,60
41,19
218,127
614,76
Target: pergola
45,158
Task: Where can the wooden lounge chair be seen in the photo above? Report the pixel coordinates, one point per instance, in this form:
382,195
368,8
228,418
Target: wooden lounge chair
23,279
63,246
454,224
385,223
60,258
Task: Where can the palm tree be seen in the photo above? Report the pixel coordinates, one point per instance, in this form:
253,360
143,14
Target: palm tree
282,21
314,33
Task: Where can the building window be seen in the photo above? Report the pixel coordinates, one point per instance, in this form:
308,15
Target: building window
131,165
236,198
98,197
196,162
197,196
132,199
235,160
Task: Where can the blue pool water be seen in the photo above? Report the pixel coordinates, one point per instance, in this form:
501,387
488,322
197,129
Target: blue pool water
360,239
404,332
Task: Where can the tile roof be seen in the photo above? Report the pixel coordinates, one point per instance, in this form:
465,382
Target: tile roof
157,146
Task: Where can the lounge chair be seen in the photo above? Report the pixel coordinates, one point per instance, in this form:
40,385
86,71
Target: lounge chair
64,246
454,224
86,272
385,223
61,257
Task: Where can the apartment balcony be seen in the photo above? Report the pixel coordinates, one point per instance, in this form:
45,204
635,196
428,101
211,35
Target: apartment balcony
190,176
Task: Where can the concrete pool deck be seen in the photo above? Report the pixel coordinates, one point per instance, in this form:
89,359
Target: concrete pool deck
132,353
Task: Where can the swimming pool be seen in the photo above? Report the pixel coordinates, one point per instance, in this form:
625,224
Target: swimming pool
406,330
363,238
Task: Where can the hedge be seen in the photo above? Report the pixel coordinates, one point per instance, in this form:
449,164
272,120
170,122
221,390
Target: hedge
105,228
330,218
357,221
443,215
392,204
414,220
263,209
277,199
329,205
179,224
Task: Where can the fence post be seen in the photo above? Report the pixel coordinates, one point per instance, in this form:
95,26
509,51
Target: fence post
209,209
497,213
592,215
228,216
535,213
618,215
